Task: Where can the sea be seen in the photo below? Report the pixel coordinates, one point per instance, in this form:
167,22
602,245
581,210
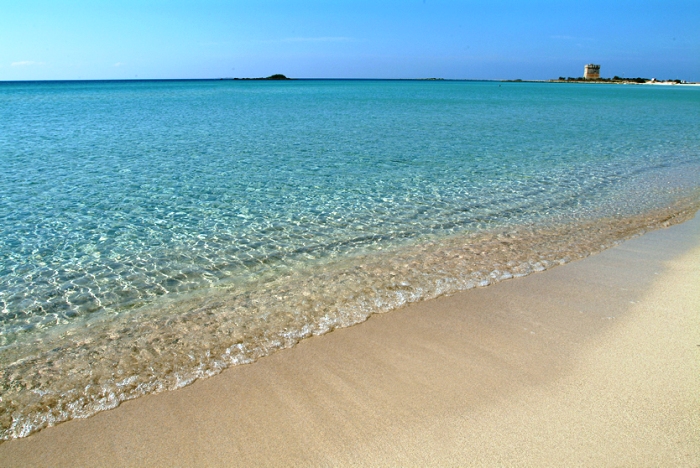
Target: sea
153,233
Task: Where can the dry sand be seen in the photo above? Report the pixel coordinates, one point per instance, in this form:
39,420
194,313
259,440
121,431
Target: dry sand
596,363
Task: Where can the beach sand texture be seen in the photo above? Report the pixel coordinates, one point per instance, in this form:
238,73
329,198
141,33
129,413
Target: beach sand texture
596,363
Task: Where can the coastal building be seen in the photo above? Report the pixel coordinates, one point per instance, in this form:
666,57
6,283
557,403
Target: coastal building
591,71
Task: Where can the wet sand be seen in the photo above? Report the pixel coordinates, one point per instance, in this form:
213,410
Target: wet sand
596,363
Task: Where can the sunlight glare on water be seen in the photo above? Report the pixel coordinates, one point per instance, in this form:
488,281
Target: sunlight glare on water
152,233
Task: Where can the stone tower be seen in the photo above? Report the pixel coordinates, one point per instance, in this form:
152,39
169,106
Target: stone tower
591,72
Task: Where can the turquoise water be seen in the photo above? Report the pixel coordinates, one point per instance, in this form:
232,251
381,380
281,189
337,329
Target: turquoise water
152,233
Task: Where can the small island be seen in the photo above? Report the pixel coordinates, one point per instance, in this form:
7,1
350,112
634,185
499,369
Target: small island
277,76
591,74
616,79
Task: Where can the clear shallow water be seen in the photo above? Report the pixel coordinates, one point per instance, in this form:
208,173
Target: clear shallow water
152,233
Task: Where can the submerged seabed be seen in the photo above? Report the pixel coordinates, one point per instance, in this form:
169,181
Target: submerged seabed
156,233
76,372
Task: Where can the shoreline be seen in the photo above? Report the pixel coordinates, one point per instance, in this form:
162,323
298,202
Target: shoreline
648,83
484,376
466,80
100,352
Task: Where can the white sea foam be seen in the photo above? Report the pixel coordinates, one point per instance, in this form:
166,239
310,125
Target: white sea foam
76,372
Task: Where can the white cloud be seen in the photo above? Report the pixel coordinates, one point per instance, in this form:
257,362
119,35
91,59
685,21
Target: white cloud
119,64
25,63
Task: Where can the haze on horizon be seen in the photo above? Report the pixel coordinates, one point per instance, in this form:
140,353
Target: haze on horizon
501,39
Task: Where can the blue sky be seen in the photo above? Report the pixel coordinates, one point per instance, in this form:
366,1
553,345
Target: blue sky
42,39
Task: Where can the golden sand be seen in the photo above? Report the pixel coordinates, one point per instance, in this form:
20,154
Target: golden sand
596,363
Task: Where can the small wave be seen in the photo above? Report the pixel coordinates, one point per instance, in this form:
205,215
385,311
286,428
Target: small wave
87,366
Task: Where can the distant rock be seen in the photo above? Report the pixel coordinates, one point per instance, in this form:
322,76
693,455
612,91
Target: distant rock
278,76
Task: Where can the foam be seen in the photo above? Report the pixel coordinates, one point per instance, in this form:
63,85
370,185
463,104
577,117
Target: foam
92,365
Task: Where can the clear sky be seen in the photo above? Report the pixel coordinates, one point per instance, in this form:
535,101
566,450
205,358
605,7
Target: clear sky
52,39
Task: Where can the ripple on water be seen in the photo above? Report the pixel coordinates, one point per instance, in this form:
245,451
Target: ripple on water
79,369
152,233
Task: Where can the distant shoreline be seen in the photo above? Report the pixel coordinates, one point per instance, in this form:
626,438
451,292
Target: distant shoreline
627,82
135,80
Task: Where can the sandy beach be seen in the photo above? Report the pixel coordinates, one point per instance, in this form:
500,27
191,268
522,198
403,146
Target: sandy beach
596,363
